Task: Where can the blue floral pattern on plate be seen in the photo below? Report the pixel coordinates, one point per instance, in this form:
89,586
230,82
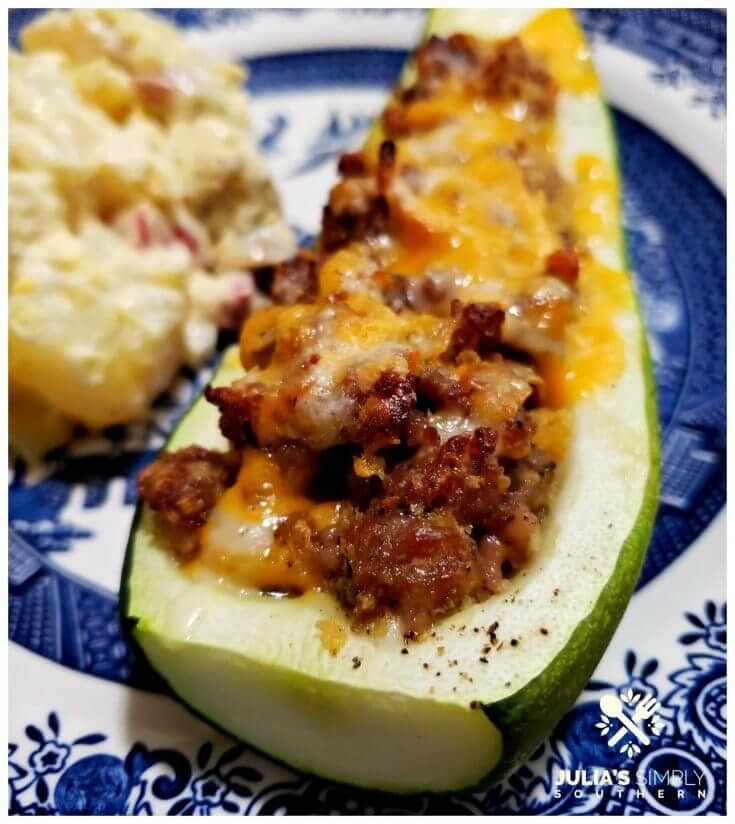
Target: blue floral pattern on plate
675,227
49,774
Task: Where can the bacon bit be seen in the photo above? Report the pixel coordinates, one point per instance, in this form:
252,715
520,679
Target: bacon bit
144,230
155,89
186,237
142,225
563,264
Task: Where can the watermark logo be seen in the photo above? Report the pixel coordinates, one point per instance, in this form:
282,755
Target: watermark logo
623,718
668,777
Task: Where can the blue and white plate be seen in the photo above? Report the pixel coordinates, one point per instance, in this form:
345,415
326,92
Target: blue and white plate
92,731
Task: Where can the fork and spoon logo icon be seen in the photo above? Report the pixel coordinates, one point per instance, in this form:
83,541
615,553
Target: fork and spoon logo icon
630,729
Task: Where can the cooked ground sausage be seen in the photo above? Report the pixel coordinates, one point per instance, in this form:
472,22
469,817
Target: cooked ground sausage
355,212
425,441
435,60
420,567
438,388
444,525
510,72
505,70
238,405
383,413
478,328
295,280
183,486
351,164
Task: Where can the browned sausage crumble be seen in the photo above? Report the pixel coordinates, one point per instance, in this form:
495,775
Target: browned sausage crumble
422,441
183,486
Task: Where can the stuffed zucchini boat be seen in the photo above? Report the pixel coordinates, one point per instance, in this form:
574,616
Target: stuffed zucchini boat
392,540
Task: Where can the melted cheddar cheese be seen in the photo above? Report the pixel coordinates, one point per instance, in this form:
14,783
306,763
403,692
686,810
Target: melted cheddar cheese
477,206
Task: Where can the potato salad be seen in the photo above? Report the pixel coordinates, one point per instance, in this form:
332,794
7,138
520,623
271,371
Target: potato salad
138,207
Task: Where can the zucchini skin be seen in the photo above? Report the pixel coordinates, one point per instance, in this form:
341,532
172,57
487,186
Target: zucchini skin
526,717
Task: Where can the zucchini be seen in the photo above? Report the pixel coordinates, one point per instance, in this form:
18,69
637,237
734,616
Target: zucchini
256,667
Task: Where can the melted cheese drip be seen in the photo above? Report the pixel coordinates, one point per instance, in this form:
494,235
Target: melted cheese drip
594,354
596,197
555,37
238,539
